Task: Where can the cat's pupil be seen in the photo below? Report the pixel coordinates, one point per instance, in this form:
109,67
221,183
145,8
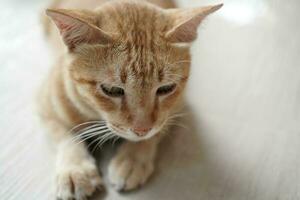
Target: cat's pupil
112,91
166,89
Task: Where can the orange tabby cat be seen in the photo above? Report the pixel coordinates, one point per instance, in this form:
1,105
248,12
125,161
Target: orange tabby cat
122,68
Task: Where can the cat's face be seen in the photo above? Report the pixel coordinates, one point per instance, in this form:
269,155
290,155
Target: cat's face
130,62
135,91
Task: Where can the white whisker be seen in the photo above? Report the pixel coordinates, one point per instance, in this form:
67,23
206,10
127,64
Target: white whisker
115,140
85,123
103,140
88,132
172,120
94,134
85,138
104,133
92,126
93,129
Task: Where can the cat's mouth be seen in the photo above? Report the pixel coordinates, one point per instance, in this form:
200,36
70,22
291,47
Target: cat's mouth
104,130
127,134
122,132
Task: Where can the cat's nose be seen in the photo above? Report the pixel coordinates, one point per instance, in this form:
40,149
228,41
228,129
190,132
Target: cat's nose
141,131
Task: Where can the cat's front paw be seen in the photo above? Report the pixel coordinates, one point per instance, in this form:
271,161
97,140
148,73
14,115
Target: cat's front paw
129,172
77,181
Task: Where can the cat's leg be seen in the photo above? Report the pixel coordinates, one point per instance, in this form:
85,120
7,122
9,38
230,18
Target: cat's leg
77,175
133,164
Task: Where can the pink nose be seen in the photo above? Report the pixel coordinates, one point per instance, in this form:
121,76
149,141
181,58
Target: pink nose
141,131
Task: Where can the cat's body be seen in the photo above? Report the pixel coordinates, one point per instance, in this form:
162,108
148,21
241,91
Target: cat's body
127,62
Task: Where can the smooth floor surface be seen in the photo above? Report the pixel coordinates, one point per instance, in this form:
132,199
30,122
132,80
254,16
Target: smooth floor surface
242,135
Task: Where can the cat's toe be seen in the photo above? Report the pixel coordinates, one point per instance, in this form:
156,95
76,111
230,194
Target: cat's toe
127,174
64,187
77,182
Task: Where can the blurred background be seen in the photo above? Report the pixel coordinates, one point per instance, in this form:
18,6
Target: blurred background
242,135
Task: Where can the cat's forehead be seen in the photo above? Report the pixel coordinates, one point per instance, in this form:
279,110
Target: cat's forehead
148,67
146,56
132,19
140,64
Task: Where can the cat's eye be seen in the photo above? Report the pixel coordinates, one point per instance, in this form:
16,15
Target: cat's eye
112,91
166,89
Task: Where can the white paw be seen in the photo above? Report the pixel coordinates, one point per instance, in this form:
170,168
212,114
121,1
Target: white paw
77,181
127,173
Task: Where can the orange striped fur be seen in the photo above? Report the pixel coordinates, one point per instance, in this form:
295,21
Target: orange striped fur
139,46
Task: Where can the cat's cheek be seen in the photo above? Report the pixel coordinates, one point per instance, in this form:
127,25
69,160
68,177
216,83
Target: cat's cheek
105,103
97,101
85,95
168,102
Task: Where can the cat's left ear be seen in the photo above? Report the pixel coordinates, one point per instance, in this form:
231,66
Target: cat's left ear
78,27
185,22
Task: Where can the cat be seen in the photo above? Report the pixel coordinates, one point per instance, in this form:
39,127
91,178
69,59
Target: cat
121,69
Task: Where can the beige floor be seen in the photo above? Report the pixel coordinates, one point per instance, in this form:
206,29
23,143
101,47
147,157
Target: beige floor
242,140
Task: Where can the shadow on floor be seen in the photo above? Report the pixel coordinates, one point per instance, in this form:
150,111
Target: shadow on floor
185,168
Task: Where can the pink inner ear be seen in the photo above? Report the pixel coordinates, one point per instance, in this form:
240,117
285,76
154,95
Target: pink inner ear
75,30
69,28
62,23
63,26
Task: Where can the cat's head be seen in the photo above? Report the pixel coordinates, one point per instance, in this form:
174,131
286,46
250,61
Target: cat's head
130,61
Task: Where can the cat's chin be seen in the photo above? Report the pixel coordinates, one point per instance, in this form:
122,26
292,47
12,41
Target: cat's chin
130,136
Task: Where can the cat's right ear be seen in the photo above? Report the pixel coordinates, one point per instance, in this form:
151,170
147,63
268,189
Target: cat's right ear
185,22
78,27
